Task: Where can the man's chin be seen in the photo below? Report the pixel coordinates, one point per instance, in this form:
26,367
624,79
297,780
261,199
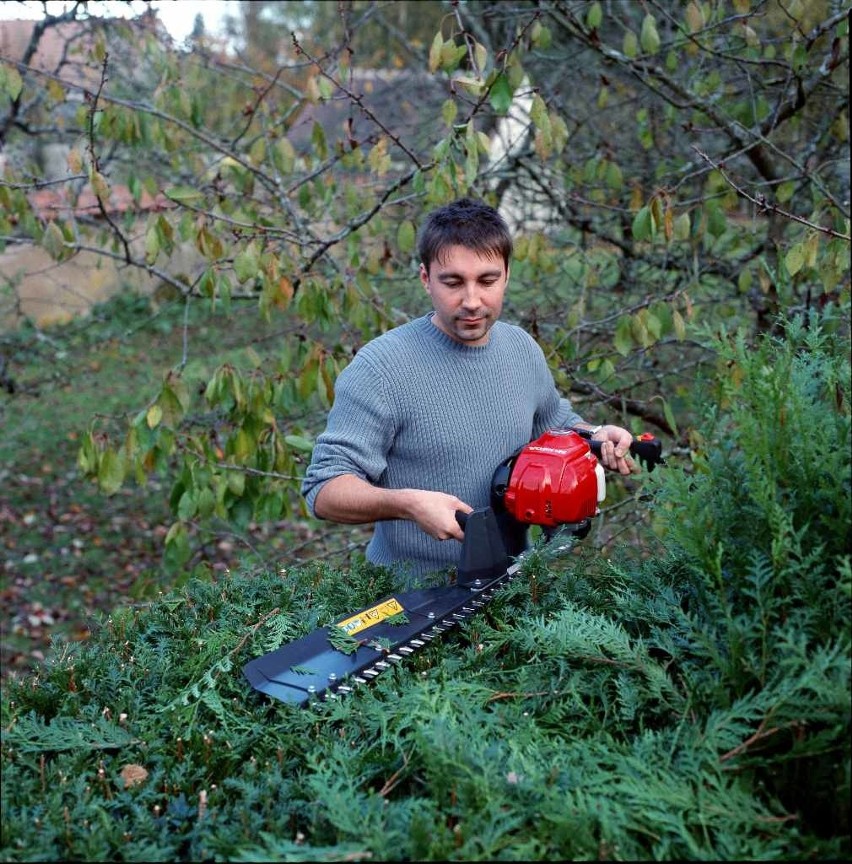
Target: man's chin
472,333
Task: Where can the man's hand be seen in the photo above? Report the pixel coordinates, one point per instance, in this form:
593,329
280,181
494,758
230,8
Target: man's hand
435,513
615,449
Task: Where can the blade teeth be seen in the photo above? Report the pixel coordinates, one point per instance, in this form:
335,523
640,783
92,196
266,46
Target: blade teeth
404,649
381,664
359,680
344,689
418,643
370,673
394,657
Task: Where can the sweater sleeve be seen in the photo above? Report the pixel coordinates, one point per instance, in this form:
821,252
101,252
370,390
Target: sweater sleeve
358,434
554,411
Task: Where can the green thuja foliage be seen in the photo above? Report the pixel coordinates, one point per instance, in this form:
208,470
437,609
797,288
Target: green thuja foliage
690,704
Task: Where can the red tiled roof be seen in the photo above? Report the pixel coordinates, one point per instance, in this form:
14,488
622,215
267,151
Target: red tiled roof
53,204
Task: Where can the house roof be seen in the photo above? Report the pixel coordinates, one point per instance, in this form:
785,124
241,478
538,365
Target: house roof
60,204
63,46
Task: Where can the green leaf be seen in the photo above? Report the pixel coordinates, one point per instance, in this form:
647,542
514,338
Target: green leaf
188,505
500,95
669,415
246,265
594,16
648,37
630,46
716,221
449,110
405,235
11,82
53,241
449,55
795,259
284,156
642,226
111,472
785,191
654,326
614,176
177,547
298,442
538,113
152,243
183,193
623,336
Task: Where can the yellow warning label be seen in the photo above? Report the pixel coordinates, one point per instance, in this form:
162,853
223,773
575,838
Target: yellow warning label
370,616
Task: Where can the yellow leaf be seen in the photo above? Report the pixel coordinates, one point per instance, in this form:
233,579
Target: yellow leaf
153,416
480,54
100,186
284,294
679,325
435,52
75,161
694,17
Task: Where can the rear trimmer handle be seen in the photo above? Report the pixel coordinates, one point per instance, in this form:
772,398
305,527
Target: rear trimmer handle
645,447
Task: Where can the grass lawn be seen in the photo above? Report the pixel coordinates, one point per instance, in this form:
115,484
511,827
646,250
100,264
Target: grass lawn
70,551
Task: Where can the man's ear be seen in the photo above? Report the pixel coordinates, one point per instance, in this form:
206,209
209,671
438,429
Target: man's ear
424,276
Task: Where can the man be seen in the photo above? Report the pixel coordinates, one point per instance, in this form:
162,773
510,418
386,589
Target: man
425,412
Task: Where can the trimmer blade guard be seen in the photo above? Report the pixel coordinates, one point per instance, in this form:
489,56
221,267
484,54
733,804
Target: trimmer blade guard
311,669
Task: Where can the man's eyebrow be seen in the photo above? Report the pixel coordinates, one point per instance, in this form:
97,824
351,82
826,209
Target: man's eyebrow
454,274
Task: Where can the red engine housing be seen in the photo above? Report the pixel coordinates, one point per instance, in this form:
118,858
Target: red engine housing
554,480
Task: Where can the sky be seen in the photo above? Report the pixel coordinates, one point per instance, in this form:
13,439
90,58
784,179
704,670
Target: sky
178,16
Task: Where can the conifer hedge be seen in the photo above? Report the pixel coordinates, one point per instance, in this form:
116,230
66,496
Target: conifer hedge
690,704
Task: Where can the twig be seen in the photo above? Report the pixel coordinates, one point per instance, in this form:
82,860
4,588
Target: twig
94,98
761,733
765,206
254,628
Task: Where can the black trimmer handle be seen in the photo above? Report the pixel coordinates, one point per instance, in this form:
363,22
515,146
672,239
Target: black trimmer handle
645,447
483,555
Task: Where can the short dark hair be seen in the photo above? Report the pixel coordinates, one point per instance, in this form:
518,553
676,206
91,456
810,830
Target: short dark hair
465,222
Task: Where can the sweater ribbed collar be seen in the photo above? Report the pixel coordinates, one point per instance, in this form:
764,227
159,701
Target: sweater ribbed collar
434,333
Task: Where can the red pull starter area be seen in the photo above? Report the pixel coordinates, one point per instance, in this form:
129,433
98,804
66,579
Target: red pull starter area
555,480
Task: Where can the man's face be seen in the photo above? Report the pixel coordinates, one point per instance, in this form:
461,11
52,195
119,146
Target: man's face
467,293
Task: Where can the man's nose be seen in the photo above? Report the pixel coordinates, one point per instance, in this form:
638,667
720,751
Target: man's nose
471,296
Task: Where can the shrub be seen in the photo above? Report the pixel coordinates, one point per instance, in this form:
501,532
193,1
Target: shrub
694,704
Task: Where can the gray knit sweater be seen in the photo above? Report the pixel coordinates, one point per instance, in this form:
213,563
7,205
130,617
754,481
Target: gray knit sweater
416,409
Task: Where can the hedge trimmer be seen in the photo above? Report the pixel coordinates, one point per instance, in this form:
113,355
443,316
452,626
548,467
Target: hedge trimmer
554,481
